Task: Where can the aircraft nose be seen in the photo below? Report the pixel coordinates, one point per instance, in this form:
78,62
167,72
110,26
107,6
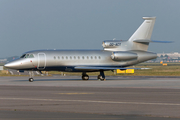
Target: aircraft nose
12,65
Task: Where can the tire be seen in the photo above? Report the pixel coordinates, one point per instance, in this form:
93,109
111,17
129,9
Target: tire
102,79
31,79
99,77
85,77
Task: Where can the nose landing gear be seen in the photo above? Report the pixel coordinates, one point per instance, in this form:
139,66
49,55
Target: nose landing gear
31,74
31,79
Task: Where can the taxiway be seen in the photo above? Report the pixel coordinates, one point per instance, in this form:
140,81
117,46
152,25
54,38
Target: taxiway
118,97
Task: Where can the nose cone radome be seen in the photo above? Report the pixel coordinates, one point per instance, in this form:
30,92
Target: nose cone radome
12,65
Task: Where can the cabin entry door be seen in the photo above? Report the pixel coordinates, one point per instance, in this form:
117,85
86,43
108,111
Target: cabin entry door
41,61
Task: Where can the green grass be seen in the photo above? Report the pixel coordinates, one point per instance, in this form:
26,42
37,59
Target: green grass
157,64
4,73
155,71
160,71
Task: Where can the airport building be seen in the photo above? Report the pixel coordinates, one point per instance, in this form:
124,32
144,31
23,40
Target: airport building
167,57
3,60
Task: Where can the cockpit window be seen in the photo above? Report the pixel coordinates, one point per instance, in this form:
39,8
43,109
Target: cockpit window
23,56
31,56
27,56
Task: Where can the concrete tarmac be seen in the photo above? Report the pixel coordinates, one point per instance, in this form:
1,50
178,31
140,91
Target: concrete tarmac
116,98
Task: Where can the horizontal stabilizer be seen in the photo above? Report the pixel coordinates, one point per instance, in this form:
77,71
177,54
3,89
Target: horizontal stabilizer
106,68
148,41
156,41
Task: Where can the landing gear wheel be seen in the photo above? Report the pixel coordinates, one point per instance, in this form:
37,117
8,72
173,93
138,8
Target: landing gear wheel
31,79
101,78
85,77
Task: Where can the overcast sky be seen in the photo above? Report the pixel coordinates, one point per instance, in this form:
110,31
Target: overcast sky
83,24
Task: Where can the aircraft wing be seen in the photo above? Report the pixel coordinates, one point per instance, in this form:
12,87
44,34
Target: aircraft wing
106,68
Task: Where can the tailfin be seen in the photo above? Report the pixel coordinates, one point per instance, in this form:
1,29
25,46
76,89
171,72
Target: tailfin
144,32
138,41
142,35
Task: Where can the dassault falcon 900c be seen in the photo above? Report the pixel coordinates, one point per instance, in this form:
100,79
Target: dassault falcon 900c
117,54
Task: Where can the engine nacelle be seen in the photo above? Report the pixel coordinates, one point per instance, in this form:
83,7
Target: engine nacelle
123,56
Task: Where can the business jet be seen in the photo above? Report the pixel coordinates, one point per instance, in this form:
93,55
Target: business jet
116,54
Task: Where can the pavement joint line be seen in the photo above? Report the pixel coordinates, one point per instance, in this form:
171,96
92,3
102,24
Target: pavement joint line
64,118
93,101
75,93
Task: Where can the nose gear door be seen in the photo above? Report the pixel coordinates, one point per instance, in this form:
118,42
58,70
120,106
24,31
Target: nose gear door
41,61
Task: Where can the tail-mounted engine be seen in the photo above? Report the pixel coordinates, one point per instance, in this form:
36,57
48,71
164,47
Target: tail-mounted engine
123,56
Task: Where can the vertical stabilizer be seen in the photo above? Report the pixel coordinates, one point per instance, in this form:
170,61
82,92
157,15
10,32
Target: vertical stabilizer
145,30
143,33
138,41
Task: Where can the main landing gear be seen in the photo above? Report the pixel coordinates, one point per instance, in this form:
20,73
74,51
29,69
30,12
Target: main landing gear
85,76
99,77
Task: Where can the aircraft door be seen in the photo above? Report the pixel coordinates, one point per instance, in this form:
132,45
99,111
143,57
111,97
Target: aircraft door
41,61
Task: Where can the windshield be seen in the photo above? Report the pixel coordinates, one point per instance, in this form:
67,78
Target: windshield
23,56
27,56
